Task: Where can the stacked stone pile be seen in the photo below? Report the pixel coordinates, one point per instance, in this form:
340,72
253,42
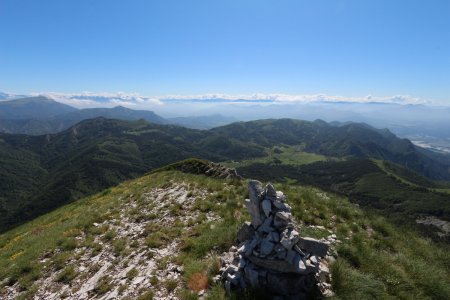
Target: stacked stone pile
270,253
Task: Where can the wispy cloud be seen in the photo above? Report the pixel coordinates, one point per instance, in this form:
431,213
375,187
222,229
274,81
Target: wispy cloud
289,98
90,99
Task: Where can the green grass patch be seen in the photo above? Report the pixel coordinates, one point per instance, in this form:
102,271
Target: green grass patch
288,155
132,273
103,285
146,295
66,275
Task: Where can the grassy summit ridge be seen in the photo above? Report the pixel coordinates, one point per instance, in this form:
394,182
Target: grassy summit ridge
376,259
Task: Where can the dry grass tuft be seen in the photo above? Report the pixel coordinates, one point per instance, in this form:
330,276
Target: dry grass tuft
198,282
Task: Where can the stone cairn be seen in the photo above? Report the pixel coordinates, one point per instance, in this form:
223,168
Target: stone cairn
270,254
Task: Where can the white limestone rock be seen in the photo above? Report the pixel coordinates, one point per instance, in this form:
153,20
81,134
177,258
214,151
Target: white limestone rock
280,196
289,238
313,246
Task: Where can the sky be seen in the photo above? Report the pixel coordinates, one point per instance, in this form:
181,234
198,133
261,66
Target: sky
350,49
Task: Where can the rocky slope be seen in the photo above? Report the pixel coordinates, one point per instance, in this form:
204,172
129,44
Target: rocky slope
202,167
120,261
130,253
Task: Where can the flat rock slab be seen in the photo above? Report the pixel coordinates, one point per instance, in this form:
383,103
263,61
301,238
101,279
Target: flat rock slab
313,246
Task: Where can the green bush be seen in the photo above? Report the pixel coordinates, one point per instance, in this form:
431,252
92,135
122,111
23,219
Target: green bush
119,246
103,285
108,236
132,273
146,295
66,275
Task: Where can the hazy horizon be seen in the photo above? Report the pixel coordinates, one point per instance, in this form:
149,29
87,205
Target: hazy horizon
287,51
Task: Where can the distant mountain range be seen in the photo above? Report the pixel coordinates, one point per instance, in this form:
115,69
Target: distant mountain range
42,115
8,96
42,172
32,108
424,125
203,122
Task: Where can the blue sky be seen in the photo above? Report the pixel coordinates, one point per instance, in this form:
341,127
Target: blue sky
346,48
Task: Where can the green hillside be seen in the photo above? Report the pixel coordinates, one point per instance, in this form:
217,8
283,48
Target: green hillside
40,173
161,234
350,140
405,175
291,155
369,185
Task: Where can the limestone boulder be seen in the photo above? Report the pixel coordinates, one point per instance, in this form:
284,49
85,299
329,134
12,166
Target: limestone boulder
313,246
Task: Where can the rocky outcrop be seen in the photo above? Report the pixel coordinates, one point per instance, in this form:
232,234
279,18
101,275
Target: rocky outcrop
271,254
203,167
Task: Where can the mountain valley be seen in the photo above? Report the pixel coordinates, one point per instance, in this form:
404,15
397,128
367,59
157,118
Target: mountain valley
43,172
111,205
